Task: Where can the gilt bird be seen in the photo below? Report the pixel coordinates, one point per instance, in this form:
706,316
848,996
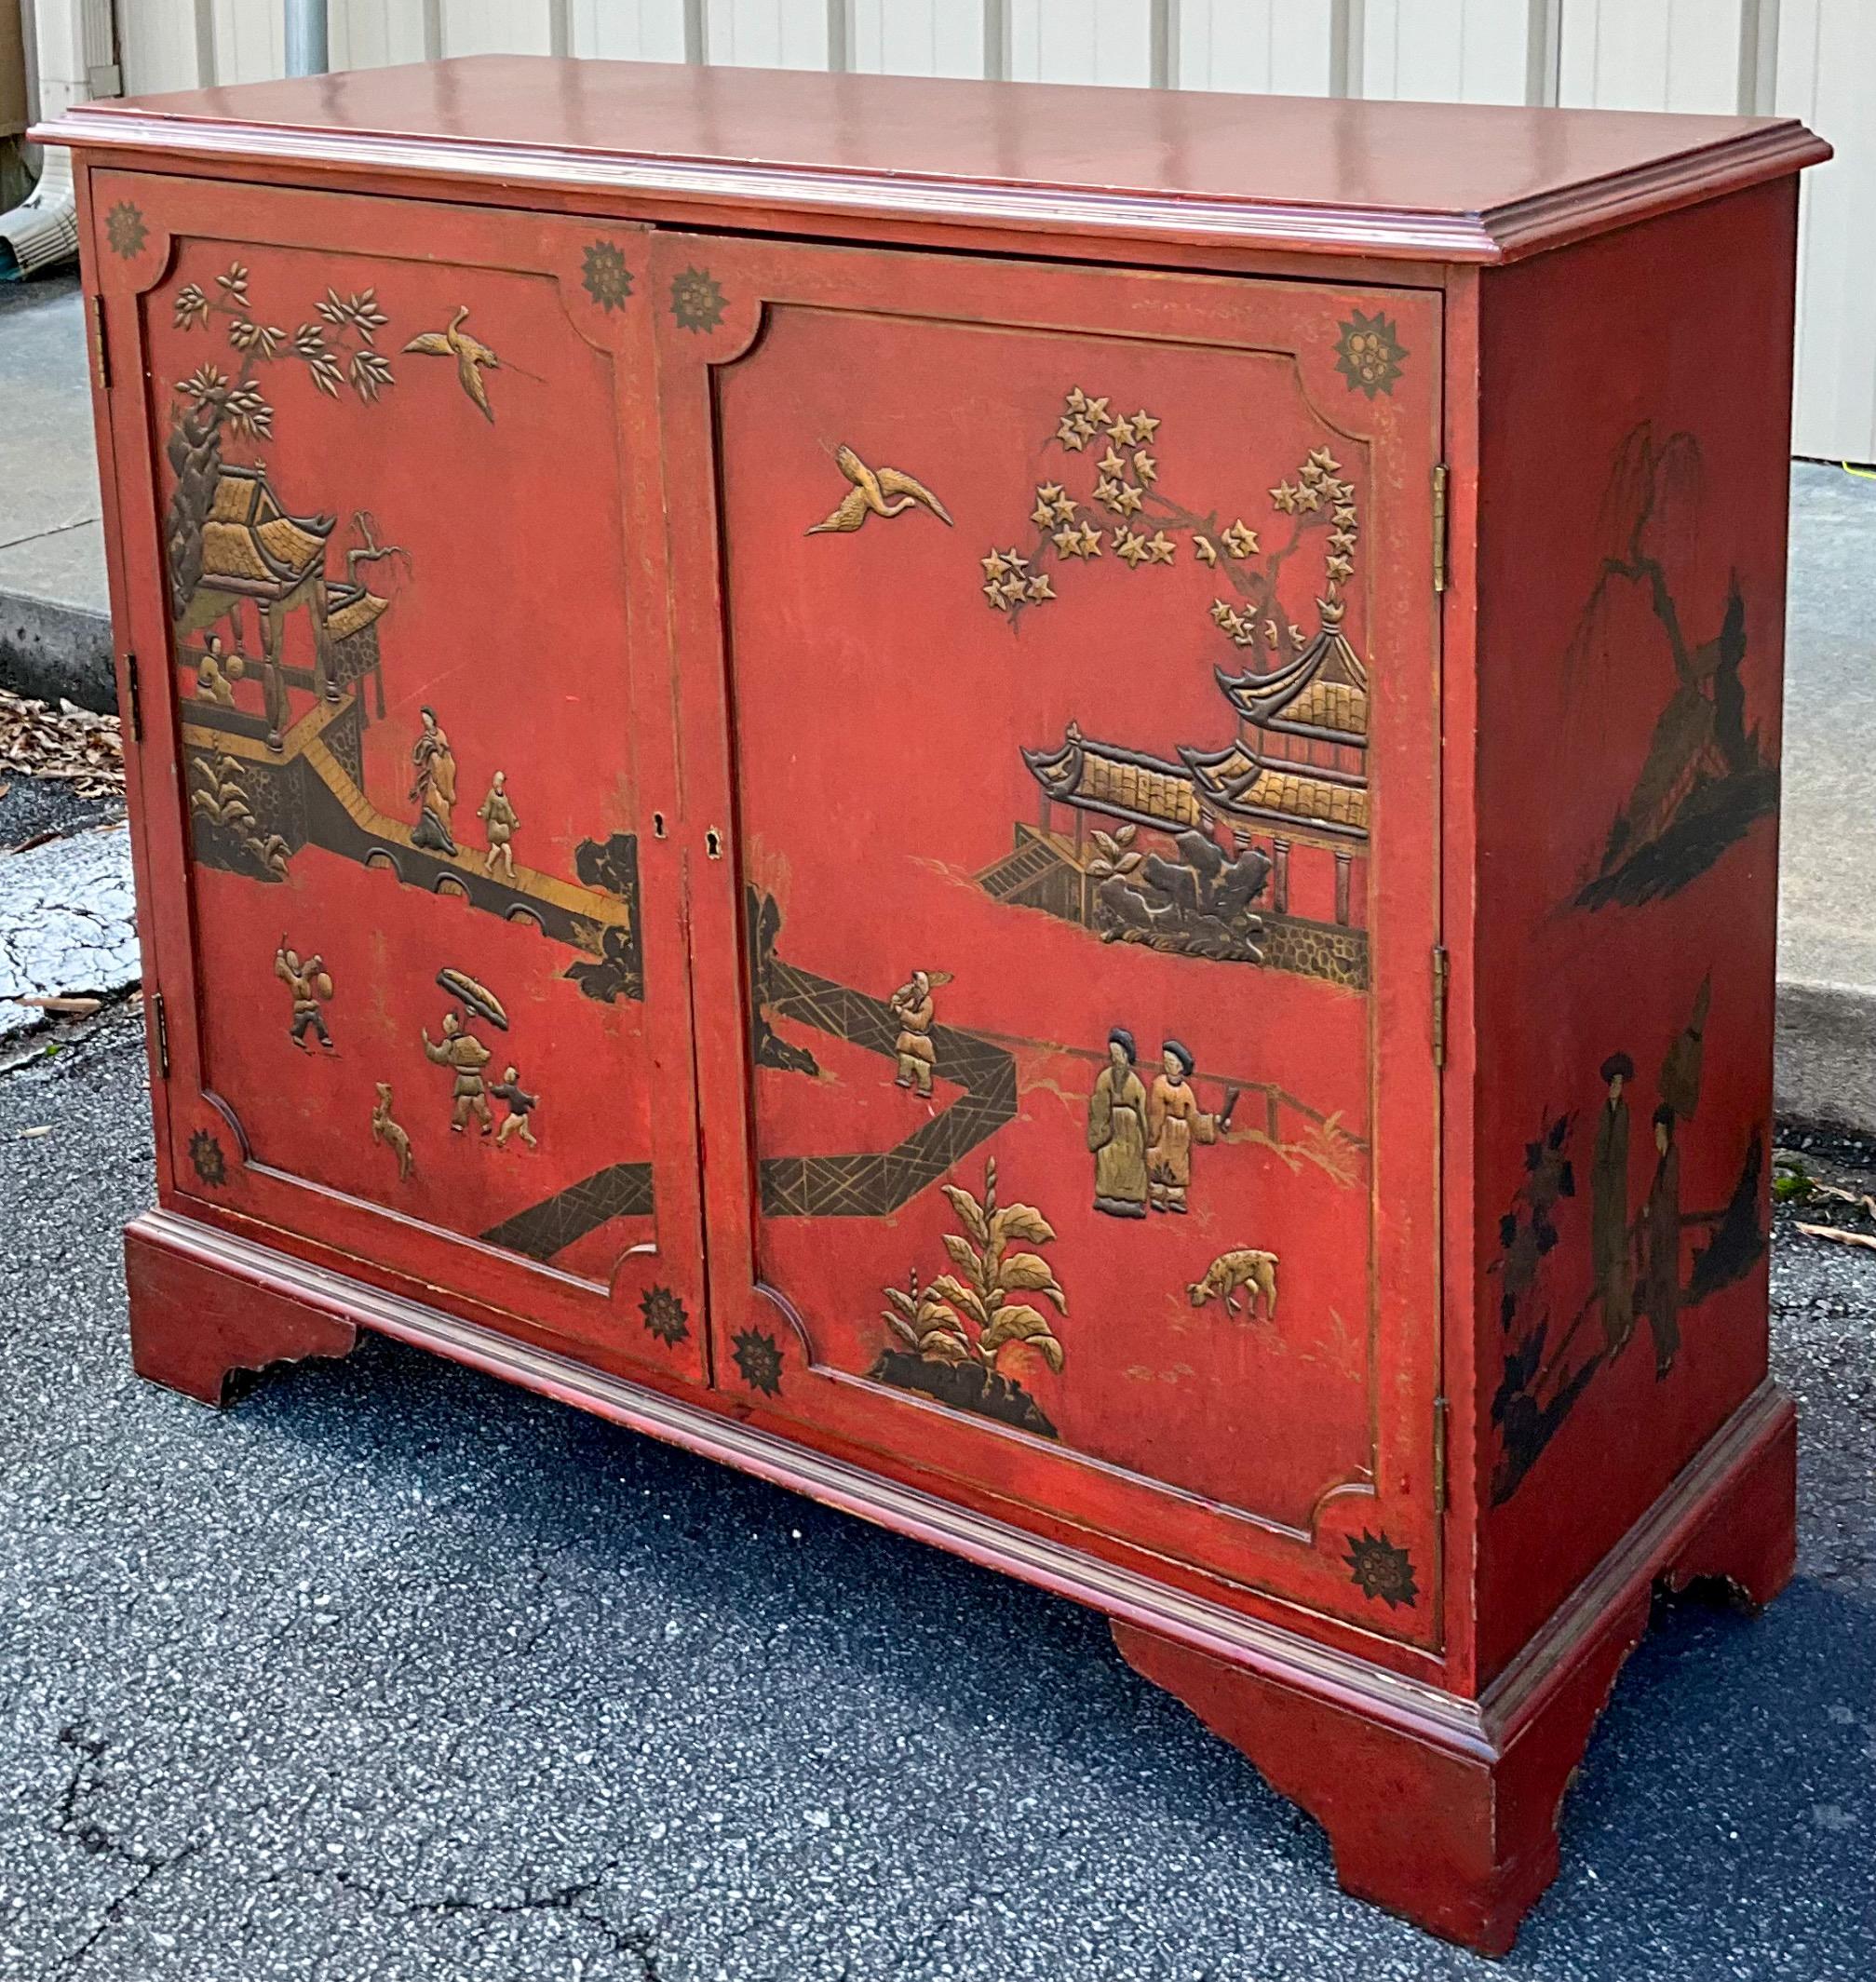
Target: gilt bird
470,356
885,494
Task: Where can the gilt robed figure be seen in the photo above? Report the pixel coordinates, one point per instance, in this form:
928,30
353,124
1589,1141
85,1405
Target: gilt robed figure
1116,1131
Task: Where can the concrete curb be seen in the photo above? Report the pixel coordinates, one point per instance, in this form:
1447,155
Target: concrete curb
48,650
1825,1067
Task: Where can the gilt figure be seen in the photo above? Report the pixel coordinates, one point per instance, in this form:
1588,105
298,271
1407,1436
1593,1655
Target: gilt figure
886,492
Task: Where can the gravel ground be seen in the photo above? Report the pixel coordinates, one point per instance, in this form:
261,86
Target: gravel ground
30,806
395,1672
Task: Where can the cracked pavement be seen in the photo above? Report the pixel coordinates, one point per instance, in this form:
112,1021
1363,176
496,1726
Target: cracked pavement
67,922
393,1673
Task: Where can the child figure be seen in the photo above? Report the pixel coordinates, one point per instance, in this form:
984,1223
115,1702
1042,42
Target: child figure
216,672
521,1104
912,1006
498,816
1174,1122
307,984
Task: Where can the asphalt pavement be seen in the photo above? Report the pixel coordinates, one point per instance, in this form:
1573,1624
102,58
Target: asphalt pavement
394,1672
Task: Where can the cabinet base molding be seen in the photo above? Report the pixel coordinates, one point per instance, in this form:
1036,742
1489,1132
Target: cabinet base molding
1463,1840
1442,1809
194,1330
197,1269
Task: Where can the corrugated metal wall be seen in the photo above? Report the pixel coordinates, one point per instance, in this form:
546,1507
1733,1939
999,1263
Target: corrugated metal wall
1812,59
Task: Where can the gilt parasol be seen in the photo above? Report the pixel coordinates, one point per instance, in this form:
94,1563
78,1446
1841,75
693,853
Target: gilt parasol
474,998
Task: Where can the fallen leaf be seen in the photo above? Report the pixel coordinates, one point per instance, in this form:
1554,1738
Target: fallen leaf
1866,1240
82,749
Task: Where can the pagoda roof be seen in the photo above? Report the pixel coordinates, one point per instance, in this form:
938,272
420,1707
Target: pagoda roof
1234,782
1106,777
251,544
350,609
1322,692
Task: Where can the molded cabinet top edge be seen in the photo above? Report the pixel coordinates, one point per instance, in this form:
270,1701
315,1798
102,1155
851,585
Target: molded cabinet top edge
1463,183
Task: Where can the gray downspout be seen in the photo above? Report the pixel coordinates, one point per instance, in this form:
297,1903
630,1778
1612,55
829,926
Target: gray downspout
308,49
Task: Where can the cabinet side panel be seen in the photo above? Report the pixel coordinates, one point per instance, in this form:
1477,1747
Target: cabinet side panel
1634,423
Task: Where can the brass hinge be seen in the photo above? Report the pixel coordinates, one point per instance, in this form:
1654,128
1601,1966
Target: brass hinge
1442,976
1439,1455
133,716
160,1019
101,351
1439,527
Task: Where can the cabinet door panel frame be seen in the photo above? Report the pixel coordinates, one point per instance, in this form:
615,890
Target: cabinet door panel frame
745,279
371,1241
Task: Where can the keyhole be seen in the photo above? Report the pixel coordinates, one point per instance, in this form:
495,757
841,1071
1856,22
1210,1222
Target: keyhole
657,826
713,843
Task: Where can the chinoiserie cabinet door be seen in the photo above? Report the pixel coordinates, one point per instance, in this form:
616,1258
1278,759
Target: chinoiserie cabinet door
1060,674
388,496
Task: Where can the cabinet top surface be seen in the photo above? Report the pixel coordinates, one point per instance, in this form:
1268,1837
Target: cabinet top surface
1476,182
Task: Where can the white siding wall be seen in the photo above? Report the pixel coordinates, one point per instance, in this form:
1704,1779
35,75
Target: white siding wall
918,37
1672,55
1463,51
767,34
367,34
1813,59
651,32
1269,46
1826,75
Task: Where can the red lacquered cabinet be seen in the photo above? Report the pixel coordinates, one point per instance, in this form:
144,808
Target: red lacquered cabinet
1052,812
